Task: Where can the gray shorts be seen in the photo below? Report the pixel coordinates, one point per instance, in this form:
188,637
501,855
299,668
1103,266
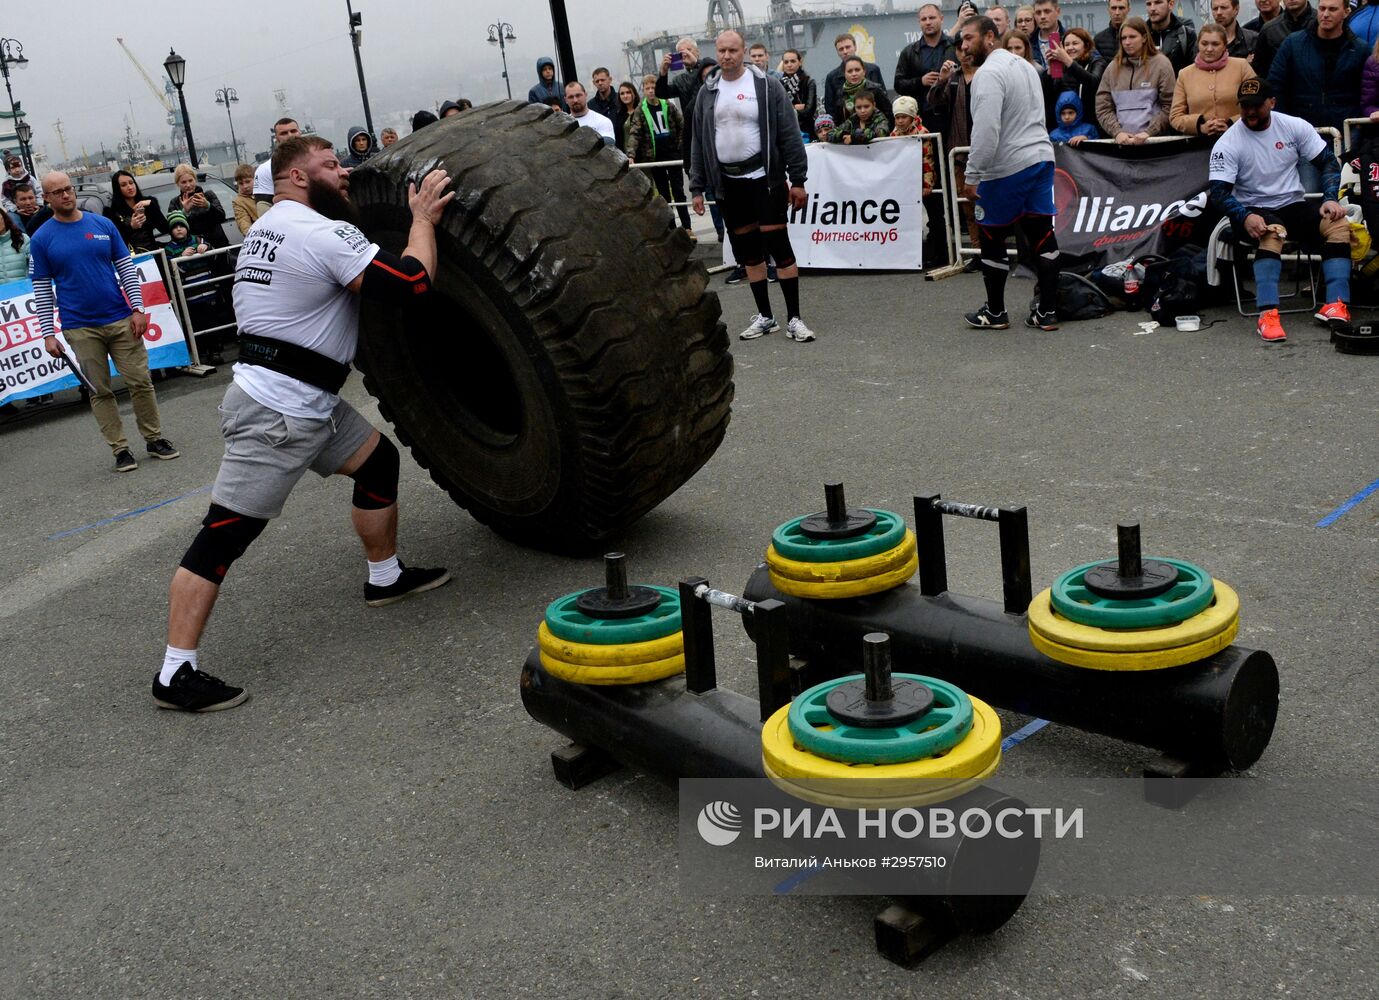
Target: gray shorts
266,452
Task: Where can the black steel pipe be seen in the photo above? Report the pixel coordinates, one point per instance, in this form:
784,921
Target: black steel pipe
664,730
1218,714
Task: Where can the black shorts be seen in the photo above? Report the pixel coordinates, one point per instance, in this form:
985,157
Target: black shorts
1302,219
752,202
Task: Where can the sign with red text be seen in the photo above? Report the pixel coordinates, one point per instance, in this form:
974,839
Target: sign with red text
26,369
863,207
1113,206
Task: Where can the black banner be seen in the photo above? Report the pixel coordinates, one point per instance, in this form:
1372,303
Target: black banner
1126,203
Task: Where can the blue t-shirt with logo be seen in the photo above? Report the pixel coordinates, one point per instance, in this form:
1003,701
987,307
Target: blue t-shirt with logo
79,257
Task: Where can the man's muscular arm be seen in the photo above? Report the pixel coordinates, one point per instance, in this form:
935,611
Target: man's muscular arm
410,274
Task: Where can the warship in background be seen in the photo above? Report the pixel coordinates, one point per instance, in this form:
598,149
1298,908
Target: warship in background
881,31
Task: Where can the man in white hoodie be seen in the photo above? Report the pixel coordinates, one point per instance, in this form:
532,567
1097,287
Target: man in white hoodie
1009,175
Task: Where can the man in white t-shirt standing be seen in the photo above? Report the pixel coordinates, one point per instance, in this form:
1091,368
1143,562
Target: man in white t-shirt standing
283,129
745,143
300,273
1254,178
578,100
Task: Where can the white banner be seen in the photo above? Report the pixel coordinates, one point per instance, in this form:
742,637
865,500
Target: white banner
26,369
865,207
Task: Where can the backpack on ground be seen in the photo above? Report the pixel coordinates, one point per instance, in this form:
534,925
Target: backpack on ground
1078,298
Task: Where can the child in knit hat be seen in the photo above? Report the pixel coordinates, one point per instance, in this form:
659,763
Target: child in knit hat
907,122
823,125
183,242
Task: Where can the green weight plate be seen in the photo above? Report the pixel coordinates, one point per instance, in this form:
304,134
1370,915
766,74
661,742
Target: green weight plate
791,542
938,730
567,622
1189,596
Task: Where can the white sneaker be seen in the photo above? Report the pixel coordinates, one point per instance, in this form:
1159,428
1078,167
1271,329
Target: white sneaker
796,330
761,326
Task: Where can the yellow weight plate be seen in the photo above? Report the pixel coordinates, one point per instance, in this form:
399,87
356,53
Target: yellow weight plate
592,655
852,569
637,673
830,591
974,757
842,793
1218,616
1154,659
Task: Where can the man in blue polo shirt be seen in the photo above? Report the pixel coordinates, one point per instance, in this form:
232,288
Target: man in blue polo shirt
82,253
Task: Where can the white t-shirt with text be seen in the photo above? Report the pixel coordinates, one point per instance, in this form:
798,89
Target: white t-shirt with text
1263,166
737,121
290,285
263,177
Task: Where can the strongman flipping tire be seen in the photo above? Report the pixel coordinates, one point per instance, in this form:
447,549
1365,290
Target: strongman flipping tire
1009,175
300,273
746,138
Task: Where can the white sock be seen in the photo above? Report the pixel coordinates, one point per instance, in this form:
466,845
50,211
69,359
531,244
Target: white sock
385,573
174,658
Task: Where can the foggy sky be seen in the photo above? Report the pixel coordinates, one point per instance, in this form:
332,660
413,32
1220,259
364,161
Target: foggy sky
416,53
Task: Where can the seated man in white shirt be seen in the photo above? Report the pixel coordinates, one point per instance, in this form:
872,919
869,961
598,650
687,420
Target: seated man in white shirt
578,100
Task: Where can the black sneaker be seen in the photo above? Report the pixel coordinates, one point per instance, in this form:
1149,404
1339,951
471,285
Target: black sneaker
124,461
737,277
771,274
194,691
1041,320
162,448
973,265
985,319
412,581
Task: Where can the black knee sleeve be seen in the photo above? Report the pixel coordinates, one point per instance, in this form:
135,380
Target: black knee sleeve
1262,254
749,248
1333,250
992,241
778,246
375,482
1038,230
223,538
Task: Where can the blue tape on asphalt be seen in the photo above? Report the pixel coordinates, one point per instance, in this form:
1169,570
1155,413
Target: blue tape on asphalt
1009,743
1022,734
1354,501
128,514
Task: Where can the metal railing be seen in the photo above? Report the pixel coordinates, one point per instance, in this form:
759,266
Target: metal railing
175,268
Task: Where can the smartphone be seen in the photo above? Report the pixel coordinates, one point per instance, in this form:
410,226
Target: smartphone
1055,67
677,61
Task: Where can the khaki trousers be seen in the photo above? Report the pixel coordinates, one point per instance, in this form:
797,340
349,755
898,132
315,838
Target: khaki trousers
93,345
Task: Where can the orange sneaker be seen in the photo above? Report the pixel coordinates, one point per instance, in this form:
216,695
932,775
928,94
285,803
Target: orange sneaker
1334,313
1270,328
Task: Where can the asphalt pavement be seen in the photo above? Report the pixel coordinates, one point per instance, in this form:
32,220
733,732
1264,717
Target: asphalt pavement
380,819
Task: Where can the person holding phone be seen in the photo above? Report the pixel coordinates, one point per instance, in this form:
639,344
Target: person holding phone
1049,32
137,218
202,208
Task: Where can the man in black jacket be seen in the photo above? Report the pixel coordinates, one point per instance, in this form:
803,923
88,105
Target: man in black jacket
604,100
685,88
1175,38
1108,39
846,46
1240,40
919,64
1268,11
1297,15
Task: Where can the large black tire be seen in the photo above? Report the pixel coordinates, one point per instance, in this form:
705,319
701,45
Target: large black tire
569,371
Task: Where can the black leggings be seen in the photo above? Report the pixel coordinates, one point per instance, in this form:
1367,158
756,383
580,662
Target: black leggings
670,181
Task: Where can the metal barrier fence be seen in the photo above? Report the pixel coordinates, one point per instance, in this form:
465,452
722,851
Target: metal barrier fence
184,290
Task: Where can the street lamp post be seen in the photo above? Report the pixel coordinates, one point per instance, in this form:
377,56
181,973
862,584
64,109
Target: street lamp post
500,34
24,132
176,68
227,96
356,37
12,54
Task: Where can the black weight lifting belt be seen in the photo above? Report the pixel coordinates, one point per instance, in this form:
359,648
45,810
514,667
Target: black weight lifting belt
294,361
742,167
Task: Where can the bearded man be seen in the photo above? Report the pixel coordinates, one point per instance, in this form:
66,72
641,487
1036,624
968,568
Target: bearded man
300,273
